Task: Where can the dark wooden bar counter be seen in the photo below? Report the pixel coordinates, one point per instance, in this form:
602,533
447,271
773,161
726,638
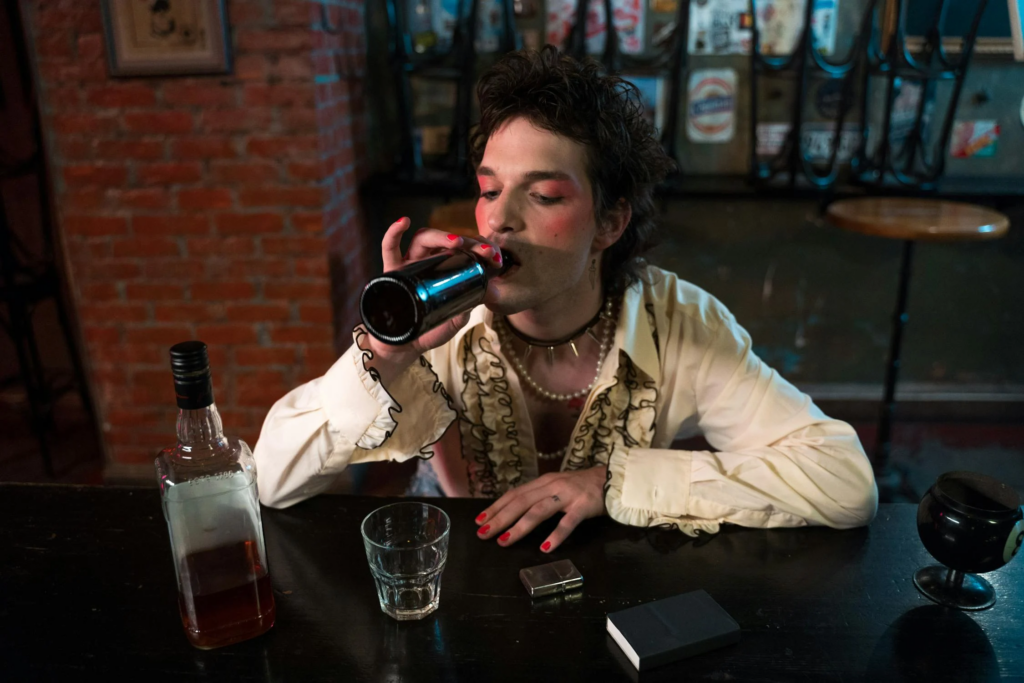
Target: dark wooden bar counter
87,592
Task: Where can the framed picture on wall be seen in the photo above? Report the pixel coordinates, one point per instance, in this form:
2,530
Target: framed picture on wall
166,37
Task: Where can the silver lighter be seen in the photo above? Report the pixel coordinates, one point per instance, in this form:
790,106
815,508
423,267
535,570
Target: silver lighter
551,578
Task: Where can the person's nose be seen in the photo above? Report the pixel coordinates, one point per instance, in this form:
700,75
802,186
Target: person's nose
501,216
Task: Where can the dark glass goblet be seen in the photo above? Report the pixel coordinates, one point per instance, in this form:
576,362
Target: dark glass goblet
972,524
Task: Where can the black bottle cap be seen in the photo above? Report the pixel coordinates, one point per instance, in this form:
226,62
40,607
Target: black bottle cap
190,366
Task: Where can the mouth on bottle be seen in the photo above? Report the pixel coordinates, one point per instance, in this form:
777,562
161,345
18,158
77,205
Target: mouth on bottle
509,261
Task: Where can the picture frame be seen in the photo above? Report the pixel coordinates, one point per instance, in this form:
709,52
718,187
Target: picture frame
166,37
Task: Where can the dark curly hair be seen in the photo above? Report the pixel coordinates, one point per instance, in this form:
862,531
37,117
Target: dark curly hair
604,113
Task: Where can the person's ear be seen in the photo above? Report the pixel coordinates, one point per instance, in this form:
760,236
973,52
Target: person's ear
613,225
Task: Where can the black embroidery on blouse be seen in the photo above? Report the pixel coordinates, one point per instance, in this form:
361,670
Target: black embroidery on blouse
427,452
653,322
359,332
481,450
596,422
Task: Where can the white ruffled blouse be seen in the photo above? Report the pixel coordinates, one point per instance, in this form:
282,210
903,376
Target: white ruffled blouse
680,365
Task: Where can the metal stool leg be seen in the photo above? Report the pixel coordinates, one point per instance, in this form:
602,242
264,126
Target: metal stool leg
887,477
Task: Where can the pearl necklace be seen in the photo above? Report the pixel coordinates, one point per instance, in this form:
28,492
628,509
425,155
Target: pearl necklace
605,341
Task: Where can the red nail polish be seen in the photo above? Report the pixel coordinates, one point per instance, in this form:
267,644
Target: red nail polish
481,517
453,237
484,529
505,536
485,247
496,258
546,546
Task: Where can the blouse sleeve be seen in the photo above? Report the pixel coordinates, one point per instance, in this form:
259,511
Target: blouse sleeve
779,462
347,416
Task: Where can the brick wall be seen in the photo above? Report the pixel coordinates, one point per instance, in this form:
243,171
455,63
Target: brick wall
204,208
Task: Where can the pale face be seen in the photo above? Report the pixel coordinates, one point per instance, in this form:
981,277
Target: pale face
537,204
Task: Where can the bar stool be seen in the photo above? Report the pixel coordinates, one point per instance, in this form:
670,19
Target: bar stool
910,220
457,217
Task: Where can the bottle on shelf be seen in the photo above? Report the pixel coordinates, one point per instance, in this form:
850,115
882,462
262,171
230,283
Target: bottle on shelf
211,504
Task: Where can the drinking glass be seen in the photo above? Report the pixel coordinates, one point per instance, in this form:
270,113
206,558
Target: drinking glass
407,545
972,524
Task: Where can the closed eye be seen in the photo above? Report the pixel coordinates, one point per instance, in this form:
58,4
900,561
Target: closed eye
546,200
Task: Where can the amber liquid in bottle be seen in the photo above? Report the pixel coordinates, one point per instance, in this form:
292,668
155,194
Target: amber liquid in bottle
226,596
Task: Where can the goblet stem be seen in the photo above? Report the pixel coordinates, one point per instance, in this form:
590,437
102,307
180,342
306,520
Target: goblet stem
954,579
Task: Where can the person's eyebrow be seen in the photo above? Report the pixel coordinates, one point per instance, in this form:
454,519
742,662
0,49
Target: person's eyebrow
531,176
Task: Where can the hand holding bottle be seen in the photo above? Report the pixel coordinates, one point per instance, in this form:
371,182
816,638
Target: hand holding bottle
391,359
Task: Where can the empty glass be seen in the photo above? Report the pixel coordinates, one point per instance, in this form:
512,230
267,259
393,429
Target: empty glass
406,546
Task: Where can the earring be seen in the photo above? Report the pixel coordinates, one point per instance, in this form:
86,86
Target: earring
593,274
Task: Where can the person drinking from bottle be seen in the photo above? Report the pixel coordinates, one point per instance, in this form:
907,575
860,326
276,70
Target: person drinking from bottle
564,390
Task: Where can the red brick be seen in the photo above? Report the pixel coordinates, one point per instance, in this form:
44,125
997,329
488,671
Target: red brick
105,270
176,269
95,226
90,46
260,389
99,335
170,225
202,148
308,221
315,313
165,335
261,95
258,313
145,246
299,120
306,171
162,174
248,223
292,291
319,356
149,198
120,96
286,40
99,291
260,356
306,245
242,12
252,67
142,291
243,171
74,148
93,124
249,119
259,267
136,417
63,99
116,150
300,334
279,195
294,68
310,267
83,200
227,334
113,312
186,313
55,46
287,146
78,175
156,122
216,290
205,198
301,13
205,246
193,94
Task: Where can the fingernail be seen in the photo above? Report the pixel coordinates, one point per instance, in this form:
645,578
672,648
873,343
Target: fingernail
496,258
546,546
453,237
404,218
485,247
484,529
505,536
481,517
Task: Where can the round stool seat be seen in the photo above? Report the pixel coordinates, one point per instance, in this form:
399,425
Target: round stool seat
907,218
458,218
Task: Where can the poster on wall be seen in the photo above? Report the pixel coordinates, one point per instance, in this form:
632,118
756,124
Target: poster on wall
974,139
489,23
1017,28
724,27
629,17
711,105
653,94
816,139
